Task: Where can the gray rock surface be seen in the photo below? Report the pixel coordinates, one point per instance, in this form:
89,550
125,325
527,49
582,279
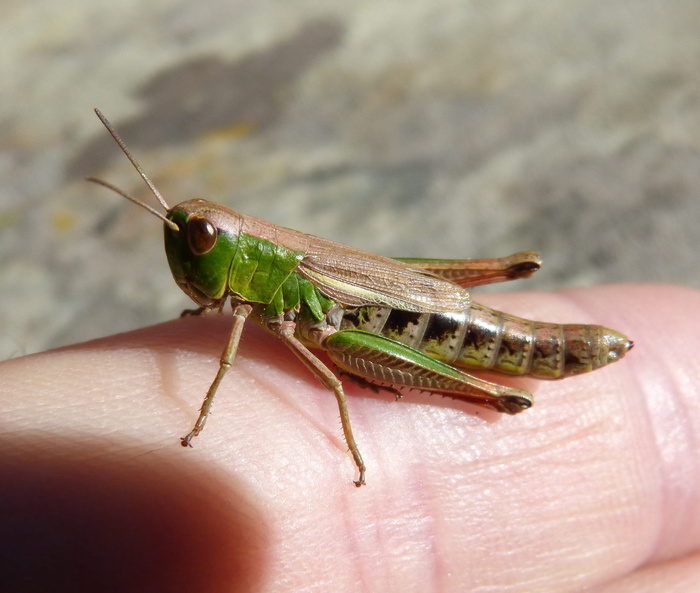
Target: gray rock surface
437,128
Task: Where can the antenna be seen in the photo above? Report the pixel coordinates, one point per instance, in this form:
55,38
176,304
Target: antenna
122,193
134,162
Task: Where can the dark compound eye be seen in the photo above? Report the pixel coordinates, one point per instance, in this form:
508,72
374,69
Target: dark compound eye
201,235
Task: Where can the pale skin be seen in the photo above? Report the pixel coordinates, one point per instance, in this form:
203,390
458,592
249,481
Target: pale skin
596,488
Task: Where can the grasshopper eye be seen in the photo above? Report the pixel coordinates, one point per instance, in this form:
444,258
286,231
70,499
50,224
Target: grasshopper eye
201,235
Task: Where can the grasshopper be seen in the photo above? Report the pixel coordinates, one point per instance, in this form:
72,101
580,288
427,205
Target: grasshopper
383,322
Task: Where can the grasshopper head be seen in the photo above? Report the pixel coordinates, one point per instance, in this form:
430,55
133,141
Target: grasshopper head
201,239
200,251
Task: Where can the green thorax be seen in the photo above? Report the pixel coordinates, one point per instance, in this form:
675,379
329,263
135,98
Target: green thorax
259,269
298,294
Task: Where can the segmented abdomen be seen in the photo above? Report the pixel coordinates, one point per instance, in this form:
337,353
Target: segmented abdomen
482,338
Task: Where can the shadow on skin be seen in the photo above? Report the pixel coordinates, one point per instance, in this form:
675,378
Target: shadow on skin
81,518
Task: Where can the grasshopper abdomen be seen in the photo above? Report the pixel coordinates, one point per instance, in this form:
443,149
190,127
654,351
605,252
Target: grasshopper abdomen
480,338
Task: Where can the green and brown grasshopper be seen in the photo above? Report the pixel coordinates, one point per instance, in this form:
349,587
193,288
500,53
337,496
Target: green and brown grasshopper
391,322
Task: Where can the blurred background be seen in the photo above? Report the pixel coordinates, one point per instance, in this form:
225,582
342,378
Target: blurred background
434,128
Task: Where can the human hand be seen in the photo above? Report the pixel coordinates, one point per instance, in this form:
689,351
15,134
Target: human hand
596,488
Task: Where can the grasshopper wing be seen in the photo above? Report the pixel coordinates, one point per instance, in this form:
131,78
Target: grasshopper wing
356,278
